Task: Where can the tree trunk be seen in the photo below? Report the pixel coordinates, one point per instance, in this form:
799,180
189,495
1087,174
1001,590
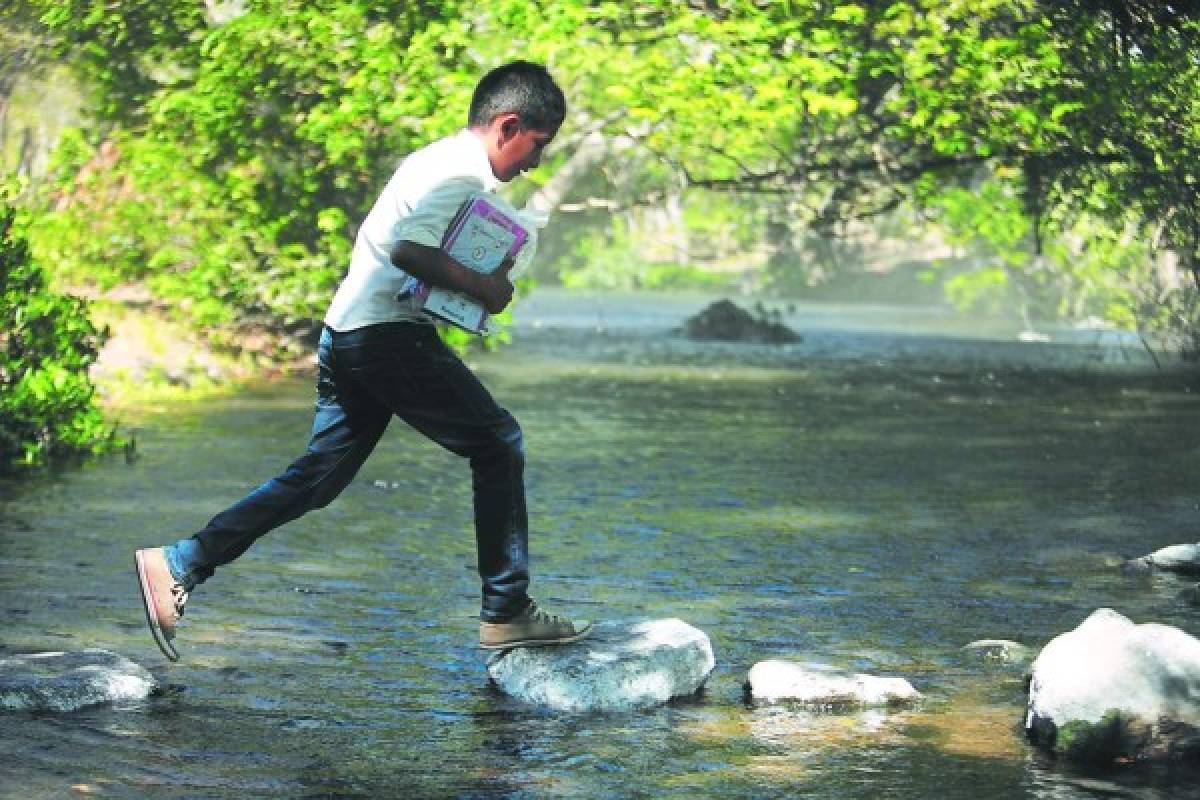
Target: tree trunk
593,149
26,153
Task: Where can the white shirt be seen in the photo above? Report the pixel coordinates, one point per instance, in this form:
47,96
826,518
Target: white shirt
417,205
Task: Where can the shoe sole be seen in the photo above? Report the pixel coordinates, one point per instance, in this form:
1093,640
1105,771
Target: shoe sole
160,638
537,642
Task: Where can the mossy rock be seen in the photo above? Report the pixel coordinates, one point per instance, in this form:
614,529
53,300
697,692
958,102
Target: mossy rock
1112,691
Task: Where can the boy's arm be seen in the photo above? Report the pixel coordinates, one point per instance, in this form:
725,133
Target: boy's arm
432,266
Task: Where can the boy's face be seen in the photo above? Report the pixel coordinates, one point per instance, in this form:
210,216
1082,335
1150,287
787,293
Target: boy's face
515,149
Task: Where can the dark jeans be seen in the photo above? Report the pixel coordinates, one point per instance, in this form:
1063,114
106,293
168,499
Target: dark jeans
365,376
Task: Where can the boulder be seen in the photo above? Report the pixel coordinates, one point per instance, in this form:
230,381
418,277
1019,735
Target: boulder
1002,652
69,681
1112,690
727,321
818,687
621,666
1182,558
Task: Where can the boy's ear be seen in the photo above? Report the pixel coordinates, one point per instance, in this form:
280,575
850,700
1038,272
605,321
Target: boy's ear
508,124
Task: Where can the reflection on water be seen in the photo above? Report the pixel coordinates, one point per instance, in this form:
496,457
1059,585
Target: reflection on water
863,514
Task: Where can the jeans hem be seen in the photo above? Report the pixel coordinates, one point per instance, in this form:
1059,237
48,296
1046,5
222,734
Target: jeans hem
494,617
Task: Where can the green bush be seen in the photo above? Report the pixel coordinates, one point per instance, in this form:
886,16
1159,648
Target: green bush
134,211
47,343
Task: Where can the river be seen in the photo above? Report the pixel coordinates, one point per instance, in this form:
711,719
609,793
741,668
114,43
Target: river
873,498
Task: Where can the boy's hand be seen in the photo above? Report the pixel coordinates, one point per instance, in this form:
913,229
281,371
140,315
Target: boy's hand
436,268
495,289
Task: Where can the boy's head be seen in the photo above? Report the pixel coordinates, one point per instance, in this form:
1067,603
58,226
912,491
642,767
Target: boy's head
517,108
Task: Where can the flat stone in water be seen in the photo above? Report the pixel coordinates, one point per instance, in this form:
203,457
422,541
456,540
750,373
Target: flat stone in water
68,681
780,681
999,651
621,666
1182,558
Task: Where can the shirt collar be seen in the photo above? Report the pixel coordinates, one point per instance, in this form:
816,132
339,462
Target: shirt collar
478,153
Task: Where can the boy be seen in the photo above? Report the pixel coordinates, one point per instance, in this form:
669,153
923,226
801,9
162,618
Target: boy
380,355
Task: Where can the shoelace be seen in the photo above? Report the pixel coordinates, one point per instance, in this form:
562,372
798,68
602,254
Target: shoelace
537,615
180,596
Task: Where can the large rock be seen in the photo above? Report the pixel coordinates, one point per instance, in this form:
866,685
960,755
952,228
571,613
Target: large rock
1111,690
69,681
727,321
777,681
621,666
1182,558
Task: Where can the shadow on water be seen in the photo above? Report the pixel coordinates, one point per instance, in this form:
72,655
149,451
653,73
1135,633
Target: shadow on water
867,514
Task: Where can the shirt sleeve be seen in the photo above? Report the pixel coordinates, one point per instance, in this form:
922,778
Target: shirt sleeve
431,215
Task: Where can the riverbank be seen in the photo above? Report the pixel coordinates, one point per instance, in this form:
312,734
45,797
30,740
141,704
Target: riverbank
150,357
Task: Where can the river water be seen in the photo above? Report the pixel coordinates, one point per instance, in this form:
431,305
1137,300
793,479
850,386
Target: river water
871,499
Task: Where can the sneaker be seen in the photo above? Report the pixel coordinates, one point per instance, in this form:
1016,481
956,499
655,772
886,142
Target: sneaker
531,628
162,596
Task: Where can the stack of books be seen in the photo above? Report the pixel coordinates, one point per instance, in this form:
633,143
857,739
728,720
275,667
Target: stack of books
480,237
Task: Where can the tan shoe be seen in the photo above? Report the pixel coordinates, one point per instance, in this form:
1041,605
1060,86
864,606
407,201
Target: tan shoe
162,596
531,628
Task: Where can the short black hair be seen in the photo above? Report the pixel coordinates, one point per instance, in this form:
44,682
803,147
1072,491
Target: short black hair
521,87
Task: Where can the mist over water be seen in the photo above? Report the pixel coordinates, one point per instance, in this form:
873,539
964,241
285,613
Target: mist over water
871,499
922,334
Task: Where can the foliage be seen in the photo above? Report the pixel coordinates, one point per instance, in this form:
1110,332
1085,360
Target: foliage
250,145
1081,202
226,177
47,342
611,258
156,222
1091,269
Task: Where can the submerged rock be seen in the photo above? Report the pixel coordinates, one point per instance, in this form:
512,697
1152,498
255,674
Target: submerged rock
69,681
776,681
999,651
621,666
727,321
1111,690
1182,558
